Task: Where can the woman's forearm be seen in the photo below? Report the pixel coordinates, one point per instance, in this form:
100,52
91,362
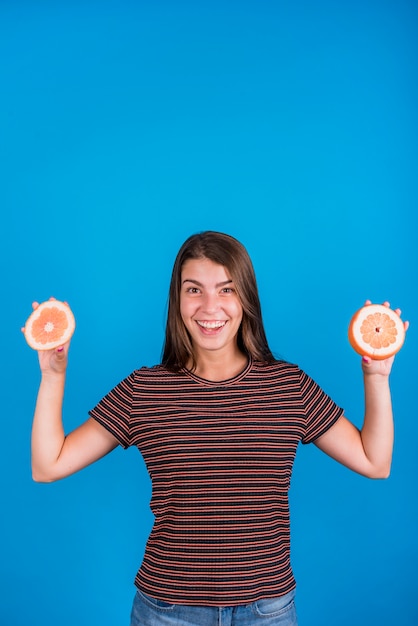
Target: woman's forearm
377,433
47,431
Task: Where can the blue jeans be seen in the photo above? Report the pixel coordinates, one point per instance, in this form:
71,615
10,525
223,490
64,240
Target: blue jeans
148,611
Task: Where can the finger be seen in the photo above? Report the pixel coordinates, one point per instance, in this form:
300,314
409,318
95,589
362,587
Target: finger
386,303
367,302
406,323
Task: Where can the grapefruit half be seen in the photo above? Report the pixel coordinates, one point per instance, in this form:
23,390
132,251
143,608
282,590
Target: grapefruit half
376,331
50,325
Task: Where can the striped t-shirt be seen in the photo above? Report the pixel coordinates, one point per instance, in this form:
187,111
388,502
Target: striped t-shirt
220,457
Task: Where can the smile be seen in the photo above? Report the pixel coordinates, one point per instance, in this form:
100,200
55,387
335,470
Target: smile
211,325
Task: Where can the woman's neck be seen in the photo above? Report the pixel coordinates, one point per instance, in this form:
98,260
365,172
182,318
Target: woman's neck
216,367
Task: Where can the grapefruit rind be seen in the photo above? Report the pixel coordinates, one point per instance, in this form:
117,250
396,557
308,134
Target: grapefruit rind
50,325
376,331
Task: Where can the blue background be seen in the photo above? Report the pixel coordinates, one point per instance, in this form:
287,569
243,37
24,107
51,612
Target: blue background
127,126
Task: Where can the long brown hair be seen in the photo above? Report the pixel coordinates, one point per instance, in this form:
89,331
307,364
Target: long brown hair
229,252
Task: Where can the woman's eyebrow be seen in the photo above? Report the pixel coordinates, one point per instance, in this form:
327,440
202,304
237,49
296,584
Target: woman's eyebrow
196,282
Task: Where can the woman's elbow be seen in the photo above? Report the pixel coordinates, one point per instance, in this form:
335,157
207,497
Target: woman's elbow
42,477
379,473
384,475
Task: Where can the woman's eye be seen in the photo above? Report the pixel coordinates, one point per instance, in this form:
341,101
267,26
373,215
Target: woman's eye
228,290
193,290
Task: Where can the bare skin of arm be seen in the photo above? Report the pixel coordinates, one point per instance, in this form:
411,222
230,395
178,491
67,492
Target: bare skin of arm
367,451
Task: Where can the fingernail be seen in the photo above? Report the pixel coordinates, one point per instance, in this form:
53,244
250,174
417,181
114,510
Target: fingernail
60,349
366,359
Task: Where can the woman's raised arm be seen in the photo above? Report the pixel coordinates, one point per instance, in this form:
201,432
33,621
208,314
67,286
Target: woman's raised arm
54,454
368,450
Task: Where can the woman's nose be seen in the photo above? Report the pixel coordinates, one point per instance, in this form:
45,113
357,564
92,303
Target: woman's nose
210,302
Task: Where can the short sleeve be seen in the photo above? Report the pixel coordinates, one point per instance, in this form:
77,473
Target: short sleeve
114,411
320,410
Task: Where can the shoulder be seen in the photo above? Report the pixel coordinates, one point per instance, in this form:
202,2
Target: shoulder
277,373
155,374
276,368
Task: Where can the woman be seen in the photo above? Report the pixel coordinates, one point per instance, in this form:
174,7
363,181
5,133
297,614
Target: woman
218,423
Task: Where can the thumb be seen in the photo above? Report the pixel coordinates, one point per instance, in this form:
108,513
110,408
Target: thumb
61,352
60,356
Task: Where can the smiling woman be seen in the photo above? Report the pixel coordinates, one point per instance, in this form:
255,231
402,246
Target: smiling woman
231,265
218,423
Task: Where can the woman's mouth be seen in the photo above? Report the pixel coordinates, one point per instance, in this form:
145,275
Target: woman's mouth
211,326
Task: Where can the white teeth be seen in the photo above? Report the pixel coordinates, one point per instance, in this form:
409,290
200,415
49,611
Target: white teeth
211,324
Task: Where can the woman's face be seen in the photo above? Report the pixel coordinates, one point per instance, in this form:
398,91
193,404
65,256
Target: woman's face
209,306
